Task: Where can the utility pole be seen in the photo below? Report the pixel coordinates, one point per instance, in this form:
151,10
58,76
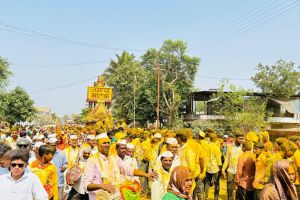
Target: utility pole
134,83
158,91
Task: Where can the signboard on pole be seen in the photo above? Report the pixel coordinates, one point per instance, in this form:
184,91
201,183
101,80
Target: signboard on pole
99,94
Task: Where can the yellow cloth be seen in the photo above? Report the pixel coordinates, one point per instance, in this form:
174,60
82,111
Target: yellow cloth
153,153
252,136
271,158
145,147
112,149
47,175
260,171
213,158
296,159
190,157
71,155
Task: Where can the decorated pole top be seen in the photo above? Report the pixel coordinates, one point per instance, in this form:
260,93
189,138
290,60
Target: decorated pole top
99,92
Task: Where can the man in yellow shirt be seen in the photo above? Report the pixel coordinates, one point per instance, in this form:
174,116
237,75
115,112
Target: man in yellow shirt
46,171
260,169
214,164
72,151
191,156
296,159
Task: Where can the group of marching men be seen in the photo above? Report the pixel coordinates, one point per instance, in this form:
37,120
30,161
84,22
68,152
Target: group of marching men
158,163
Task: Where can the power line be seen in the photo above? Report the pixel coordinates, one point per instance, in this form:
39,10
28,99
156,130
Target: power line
64,86
257,21
222,78
35,34
37,66
231,24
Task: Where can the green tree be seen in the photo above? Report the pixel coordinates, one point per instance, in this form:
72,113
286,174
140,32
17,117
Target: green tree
125,75
177,75
280,80
78,119
241,110
5,73
19,107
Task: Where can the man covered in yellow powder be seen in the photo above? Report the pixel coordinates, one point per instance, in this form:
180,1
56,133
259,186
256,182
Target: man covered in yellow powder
153,153
72,151
261,177
159,186
46,171
214,164
91,143
297,165
96,174
191,156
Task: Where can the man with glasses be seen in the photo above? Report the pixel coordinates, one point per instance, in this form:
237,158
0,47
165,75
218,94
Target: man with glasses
21,184
61,163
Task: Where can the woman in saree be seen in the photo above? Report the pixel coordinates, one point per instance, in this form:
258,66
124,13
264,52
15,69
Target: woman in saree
281,186
180,185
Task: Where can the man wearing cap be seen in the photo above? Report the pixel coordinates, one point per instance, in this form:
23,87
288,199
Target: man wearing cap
122,173
96,174
230,163
155,142
61,163
91,142
132,162
172,146
77,191
159,186
72,151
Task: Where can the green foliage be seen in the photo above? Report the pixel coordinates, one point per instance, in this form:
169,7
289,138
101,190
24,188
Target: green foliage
18,106
78,119
241,110
279,80
5,73
126,76
177,75
204,125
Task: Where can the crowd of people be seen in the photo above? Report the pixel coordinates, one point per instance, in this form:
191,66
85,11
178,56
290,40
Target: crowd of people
76,162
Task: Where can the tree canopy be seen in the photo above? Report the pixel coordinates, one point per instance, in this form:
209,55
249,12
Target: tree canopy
125,75
18,106
177,75
279,80
241,110
135,83
5,73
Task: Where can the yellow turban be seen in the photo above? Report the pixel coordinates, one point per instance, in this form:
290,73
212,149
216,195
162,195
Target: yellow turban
251,136
119,135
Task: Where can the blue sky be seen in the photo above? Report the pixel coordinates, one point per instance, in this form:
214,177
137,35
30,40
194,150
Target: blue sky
231,52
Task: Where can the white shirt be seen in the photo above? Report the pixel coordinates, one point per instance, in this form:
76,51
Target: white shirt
78,186
26,188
